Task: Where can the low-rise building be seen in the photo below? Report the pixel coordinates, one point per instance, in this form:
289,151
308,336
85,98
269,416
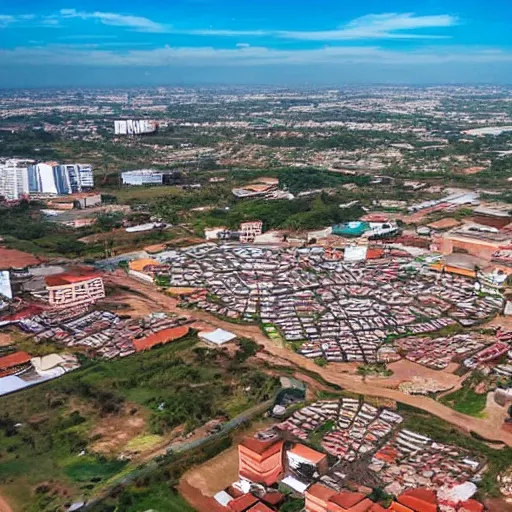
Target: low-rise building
77,288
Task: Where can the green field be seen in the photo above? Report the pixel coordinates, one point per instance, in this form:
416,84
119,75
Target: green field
466,400
45,432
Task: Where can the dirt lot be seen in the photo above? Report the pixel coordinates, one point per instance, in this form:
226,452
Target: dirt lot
5,341
117,430
405,370
216,474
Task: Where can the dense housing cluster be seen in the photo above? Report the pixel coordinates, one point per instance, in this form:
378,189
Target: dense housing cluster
332,309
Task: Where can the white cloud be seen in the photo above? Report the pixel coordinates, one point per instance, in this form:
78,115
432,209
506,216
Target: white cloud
371,26
137,23
247,56
378,26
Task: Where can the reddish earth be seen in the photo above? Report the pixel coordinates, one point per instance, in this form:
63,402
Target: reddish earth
487,428
4,506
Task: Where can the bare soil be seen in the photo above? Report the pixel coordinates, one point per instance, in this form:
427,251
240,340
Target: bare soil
5,341
116,431
4,506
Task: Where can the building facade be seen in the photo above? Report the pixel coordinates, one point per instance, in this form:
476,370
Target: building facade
14,178
250,230
142,177
80,177
68,290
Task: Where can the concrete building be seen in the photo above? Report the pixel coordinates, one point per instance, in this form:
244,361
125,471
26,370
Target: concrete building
250,230
14,178
80,177
72,289
142,177
480,244
41,179
261,460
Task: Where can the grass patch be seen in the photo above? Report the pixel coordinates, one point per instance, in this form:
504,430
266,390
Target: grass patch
143,443
466,400
91,469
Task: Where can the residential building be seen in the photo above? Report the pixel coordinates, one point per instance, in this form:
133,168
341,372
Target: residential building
71,289
14,178
142,177
41,179
261,459
79,176
320,498
53,178
250,230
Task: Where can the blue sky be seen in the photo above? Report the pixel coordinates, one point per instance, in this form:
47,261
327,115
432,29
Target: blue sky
286,42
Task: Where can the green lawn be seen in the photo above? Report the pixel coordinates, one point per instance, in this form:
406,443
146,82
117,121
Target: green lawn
466,401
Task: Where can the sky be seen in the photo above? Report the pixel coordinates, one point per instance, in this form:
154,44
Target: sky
278,42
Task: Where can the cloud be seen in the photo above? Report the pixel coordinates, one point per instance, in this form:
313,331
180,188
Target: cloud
246,56
371,26
378,26
137,23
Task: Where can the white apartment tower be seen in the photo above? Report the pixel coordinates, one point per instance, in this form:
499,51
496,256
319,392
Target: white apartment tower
14,178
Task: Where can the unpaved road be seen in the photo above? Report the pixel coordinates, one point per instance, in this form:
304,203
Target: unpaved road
4,506
489,428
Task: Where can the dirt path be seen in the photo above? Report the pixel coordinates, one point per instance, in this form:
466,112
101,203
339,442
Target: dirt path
489,428
4,506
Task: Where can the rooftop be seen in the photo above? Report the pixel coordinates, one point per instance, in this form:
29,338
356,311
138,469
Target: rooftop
14,359
12,258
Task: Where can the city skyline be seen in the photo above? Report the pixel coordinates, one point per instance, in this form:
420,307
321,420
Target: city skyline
222,41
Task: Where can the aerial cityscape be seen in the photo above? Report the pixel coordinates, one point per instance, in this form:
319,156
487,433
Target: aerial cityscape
255,261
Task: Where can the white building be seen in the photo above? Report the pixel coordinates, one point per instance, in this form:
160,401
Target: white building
41,179
14,178
134,126
142,177
80,176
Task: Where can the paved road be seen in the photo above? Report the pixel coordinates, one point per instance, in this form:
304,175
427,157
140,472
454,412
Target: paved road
486,428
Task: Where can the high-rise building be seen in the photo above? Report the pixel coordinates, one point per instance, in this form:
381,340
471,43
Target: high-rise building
80,176
41,179
14,178
52,178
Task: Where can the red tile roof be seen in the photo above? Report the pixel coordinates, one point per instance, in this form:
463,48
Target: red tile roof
70,278
471,506
307,453
164,336
260,507
257,445
12,258
347,499
15,359
420,500
243,503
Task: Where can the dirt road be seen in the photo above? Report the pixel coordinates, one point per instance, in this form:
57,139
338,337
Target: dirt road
489,428
4,506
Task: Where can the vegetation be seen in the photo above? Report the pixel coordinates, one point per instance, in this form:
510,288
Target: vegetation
48,432
466,400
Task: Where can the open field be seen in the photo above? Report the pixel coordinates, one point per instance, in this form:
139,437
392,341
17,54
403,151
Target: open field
71,432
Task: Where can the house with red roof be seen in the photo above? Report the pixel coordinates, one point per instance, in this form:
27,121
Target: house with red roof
81,286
